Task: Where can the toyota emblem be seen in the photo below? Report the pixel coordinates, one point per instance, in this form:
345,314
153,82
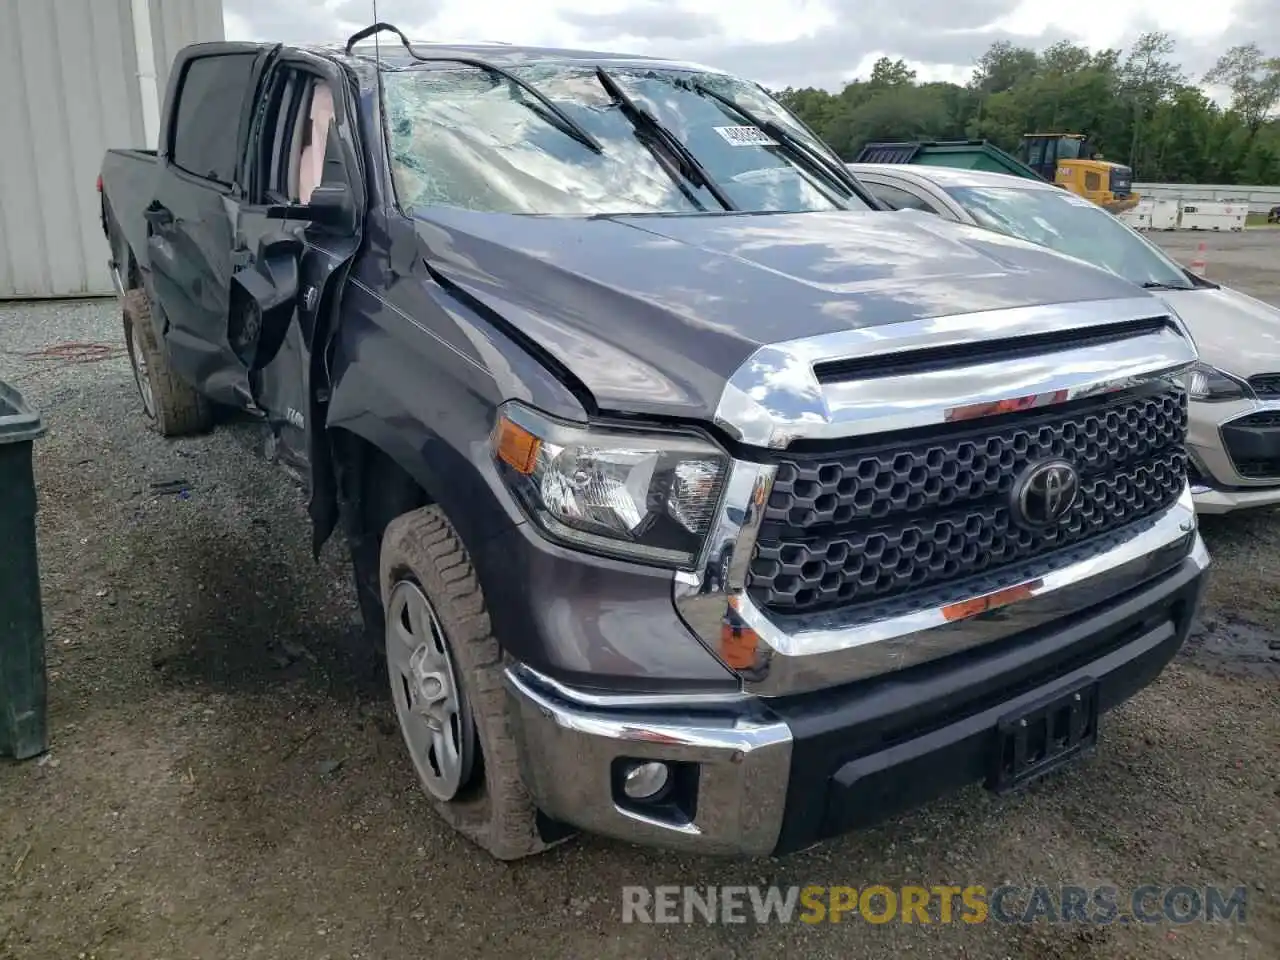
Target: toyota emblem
1044,493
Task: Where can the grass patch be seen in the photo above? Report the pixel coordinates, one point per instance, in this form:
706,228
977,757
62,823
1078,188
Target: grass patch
1258,220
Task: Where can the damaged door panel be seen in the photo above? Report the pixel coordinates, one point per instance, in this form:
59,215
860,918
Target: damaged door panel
192,214
264,297
301,229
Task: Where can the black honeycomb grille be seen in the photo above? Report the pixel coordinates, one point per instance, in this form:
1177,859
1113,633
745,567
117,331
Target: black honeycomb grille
1263,420
1266,385
1253,443
847,528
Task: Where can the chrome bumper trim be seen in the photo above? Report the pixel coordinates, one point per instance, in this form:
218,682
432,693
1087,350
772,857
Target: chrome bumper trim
823,650
567,753
1209,500
776,396
638,701
116,281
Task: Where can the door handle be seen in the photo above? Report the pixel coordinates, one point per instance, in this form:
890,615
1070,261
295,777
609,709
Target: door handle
158,215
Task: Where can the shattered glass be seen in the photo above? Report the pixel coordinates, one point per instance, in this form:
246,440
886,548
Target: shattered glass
461,137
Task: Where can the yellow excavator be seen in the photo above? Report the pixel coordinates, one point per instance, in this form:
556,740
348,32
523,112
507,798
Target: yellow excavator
1070,161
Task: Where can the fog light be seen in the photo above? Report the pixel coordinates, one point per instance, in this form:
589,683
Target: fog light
643,781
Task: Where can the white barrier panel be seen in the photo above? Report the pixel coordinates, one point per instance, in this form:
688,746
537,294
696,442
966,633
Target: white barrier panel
1164,214
1138,217
1258,199
1207,215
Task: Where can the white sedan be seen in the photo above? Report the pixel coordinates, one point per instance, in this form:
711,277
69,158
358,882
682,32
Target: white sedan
1234,434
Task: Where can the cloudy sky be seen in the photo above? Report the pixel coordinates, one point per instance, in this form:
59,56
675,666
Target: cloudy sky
782,42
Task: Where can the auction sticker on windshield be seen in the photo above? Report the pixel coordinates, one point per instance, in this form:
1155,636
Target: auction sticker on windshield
746,136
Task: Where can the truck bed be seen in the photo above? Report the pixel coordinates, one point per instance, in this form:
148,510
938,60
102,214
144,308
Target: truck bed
128,184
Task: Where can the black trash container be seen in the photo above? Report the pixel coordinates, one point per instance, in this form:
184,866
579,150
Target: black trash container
23,694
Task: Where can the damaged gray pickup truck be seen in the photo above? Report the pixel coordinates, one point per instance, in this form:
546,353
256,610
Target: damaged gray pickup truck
695,499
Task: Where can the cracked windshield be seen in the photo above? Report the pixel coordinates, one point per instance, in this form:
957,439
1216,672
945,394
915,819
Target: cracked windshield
464,137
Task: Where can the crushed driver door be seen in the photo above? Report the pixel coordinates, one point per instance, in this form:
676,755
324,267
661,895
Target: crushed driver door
294,244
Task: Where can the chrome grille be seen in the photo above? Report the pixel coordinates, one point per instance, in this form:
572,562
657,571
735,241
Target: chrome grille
860,525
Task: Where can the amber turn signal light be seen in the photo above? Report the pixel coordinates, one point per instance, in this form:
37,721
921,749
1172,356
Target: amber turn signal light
516,446
992,601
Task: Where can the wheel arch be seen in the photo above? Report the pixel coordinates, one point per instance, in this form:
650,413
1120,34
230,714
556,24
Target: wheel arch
372,480
367,487
375,475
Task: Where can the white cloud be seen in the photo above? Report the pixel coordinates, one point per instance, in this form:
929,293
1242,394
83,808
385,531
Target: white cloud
778,42
1107,23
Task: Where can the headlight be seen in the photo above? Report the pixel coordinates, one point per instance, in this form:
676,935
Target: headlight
1211,385
648,496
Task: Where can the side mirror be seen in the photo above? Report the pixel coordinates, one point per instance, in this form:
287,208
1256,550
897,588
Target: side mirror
331,205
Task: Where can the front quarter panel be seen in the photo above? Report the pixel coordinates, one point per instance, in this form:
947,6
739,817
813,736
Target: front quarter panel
420,376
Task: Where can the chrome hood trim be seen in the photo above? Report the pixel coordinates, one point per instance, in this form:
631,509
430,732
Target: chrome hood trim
777,396
790,391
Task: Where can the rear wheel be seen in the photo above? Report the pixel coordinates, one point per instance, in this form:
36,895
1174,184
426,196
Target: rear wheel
172,407
445,670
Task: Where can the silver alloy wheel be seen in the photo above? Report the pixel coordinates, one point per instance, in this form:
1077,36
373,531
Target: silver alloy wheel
139,358
432,709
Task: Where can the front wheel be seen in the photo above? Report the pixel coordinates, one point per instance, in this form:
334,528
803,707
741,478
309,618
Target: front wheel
172,407
445,669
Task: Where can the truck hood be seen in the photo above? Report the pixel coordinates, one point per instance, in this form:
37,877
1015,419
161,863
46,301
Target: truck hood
1233,332
652,314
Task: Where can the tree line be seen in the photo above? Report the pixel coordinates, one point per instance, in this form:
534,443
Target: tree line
1138,108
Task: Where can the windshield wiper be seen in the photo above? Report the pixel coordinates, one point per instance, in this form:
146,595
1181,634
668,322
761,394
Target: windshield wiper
558,120
561,119
653,135
1157,285
554,115
799,151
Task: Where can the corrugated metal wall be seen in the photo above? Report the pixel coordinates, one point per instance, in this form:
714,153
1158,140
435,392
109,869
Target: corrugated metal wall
176,23
69,76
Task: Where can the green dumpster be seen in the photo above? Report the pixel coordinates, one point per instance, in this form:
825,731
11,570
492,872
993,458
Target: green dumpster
23,694
966,154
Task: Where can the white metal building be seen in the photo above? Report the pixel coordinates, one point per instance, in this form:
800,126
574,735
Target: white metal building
78,76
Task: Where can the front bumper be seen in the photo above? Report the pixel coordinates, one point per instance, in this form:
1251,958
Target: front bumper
769,777
1236,461
1212,500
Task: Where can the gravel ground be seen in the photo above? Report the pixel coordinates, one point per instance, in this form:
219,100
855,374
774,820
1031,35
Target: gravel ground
226,778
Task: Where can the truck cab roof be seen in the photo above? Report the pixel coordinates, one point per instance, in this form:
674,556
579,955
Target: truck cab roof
391,55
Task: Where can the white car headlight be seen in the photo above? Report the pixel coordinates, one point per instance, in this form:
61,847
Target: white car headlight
1211,385
647,495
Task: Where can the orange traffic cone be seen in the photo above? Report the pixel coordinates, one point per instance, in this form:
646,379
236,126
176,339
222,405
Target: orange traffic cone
1199,266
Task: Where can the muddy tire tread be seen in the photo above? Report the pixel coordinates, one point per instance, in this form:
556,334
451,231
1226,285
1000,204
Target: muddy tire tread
180,410
500,816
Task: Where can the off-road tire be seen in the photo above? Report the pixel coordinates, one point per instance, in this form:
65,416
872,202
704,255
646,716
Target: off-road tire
178,410
494,810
